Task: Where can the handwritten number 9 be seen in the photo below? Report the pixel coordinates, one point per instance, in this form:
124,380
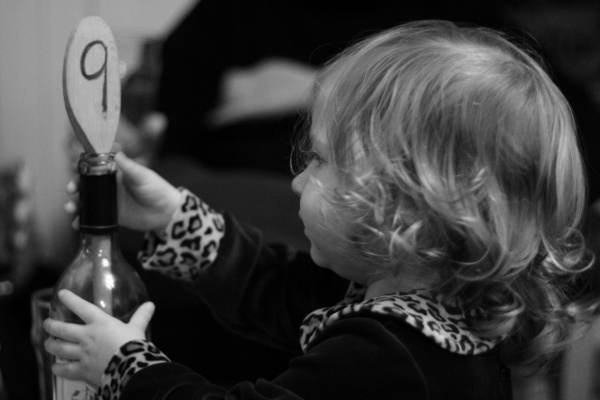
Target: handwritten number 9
101,71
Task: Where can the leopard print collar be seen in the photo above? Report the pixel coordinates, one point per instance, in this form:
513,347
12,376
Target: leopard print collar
442,322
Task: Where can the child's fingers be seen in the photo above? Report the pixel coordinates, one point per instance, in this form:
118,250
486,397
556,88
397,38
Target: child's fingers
122,160
72,187
71,207
84,310
70,370
63,330
134,174
63,349
141,317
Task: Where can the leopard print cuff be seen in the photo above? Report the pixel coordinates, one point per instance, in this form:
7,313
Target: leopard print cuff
129,359
189,244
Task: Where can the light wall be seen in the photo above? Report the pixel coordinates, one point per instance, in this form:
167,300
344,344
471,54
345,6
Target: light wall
33,121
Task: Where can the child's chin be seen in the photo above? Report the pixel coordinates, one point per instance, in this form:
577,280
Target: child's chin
317,256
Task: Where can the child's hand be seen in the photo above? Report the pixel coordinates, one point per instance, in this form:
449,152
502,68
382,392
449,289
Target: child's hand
89,348
146,200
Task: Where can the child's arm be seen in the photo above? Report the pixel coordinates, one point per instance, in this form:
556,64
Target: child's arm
258,289
90,347
352,358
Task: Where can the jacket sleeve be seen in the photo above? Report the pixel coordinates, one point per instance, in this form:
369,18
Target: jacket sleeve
260,290
265,290
356,358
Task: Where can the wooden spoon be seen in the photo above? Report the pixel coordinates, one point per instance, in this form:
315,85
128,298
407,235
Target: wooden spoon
91,84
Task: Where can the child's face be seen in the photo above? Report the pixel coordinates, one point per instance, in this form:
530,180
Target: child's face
328,249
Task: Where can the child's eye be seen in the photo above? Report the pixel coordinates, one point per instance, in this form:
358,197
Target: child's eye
313,156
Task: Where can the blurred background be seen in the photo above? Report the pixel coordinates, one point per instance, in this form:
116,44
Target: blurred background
34,130
33,123
213,97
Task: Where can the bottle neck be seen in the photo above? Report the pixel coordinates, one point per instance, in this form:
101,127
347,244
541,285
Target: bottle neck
97,194
99,243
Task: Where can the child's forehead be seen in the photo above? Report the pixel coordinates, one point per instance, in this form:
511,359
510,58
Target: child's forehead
319,98
322,90
317,118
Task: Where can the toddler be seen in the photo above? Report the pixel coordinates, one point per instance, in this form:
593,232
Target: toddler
441,189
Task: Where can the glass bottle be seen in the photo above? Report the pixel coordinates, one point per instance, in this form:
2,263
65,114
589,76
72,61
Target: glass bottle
99,273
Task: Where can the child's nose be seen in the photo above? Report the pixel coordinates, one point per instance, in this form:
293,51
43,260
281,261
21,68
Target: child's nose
299,182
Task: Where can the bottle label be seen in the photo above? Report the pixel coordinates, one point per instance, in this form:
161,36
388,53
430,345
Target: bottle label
65,389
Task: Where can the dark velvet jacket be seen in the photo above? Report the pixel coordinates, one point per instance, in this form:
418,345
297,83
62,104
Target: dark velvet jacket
394,347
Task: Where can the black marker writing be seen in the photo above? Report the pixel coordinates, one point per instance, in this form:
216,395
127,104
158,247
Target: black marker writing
95,75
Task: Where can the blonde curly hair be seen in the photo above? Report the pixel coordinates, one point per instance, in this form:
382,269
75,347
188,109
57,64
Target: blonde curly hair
458,156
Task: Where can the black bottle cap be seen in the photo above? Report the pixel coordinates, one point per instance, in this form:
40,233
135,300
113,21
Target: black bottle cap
98,203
